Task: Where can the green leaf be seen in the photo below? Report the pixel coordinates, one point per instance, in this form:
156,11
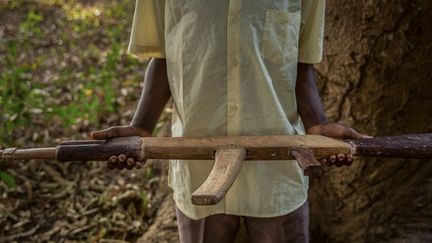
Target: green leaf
8,179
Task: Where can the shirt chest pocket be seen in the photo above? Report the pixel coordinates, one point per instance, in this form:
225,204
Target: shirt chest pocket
280,37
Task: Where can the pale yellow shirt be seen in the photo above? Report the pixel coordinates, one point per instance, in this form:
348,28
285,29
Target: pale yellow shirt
232,67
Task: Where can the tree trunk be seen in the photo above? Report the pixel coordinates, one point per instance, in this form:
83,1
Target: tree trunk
376,77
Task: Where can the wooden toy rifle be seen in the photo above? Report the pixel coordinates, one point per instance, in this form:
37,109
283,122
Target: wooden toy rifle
230,152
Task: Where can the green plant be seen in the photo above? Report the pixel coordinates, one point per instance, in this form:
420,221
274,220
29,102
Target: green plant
7,179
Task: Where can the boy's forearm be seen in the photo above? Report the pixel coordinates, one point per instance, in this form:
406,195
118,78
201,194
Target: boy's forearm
308,99
155,95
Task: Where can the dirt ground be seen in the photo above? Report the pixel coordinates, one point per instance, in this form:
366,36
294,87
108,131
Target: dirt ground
84,201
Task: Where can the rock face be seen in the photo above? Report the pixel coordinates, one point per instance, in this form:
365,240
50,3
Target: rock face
377,77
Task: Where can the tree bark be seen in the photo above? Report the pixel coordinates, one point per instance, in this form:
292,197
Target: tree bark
375,76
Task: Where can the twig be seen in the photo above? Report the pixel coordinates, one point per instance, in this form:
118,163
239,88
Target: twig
91,211
58,225
19,235
56,175
112,241
64,192
78,230
21,223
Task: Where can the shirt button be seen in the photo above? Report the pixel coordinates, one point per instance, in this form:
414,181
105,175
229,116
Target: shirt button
234,108
234,17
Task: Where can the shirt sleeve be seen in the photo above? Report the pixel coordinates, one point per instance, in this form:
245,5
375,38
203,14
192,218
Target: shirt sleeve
311,31
147,33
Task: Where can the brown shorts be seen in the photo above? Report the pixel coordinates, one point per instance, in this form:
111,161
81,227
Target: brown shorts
293,227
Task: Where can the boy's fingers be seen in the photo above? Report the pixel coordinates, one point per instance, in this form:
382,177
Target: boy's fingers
349,160
122,161
341,157
112,162
138,165
95,135
351,133
340,160
130,163
121,164
332,159
102,134
112,132
365,136
122,157
324,161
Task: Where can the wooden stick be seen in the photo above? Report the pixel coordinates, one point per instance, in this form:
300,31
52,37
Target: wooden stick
225,170
92,150
413,146
26,154
306,161
257,147
230,152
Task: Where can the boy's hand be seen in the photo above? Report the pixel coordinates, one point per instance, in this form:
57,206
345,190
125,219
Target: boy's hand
119,131
338,131
120,161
